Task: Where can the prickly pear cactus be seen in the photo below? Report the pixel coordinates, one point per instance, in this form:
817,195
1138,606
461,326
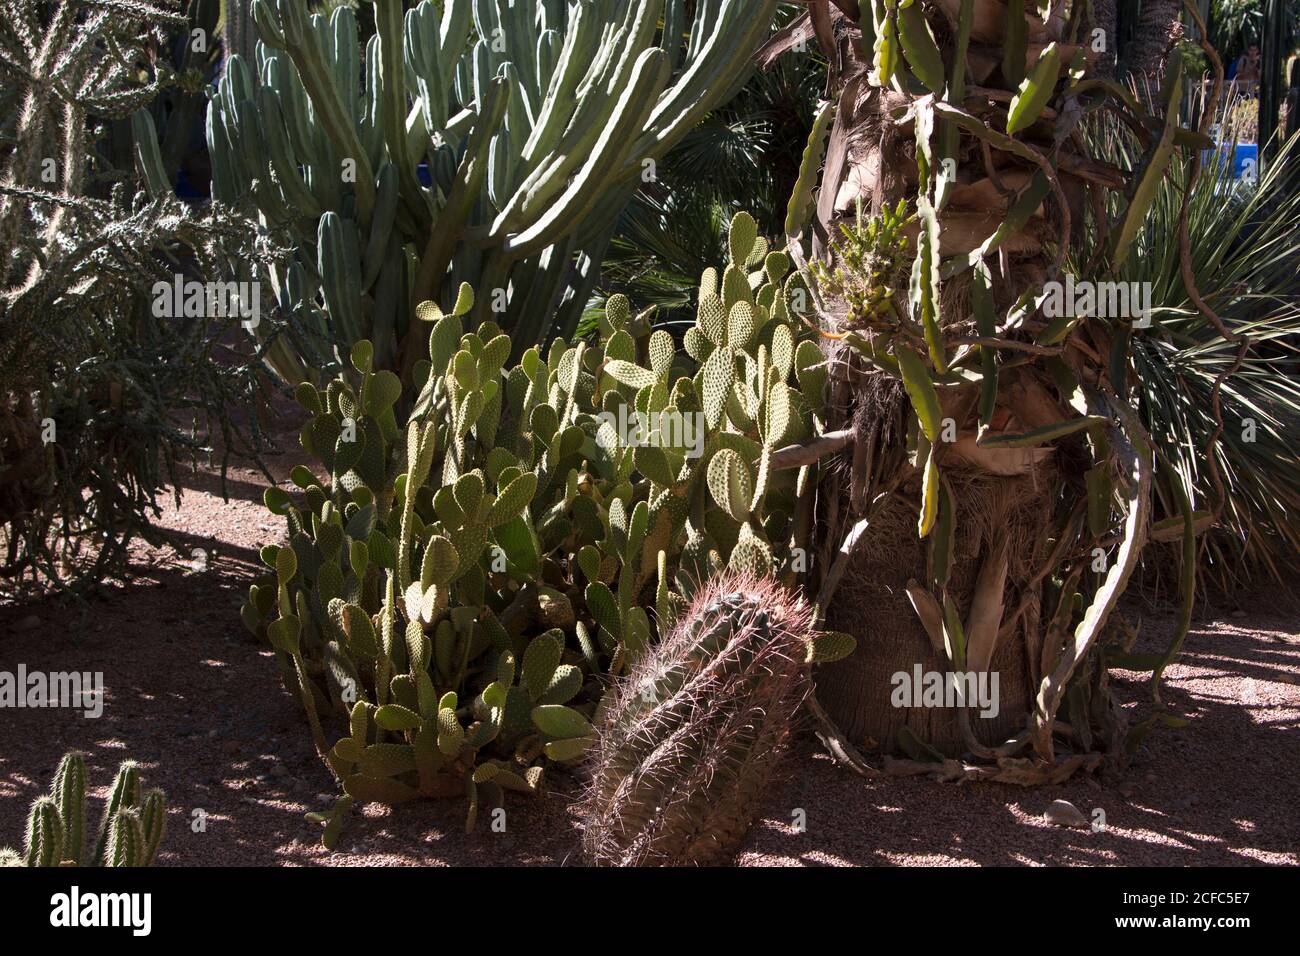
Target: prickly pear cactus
453,588
688,741
466,140
129,833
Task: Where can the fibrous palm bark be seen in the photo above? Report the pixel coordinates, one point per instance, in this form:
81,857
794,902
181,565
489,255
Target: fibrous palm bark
1158,21
1105,17
995,497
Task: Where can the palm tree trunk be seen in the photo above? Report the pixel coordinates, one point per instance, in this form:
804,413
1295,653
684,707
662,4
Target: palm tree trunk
944,555
1105,17
1158,22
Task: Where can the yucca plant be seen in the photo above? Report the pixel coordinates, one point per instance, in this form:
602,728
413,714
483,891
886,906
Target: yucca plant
996,492
1244,242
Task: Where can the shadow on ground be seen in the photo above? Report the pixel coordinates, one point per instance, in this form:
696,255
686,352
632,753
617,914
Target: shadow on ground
200,705
1221,791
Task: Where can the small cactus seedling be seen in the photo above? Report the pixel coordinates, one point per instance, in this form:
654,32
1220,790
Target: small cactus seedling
129,833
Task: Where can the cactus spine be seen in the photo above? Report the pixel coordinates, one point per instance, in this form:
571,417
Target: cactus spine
125,840
70,796
153,821
124,796
691,736
238,34
44,834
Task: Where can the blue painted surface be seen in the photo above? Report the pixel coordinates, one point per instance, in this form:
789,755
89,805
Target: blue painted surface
1244,159
185,189
1243,154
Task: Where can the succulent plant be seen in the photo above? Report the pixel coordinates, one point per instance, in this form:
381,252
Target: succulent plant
689,740
976,400
238,32
129,833
91,372
869,260
468,140
454,588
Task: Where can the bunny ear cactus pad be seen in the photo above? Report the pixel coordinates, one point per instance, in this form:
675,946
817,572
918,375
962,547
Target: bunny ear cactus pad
451,597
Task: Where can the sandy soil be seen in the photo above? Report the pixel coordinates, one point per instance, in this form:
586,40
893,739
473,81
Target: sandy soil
192,698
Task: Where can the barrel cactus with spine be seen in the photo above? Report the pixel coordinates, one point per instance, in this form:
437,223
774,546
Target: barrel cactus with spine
453,590
129,833
688,742
469,141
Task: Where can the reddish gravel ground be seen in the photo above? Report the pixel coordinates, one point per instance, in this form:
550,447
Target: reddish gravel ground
192,698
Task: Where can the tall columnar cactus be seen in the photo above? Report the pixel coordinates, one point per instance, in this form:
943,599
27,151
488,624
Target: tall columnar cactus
129,833
451,588
478,141
688,741
238,33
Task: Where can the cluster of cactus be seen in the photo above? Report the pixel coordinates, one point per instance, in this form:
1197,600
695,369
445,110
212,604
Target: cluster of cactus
456,592
866,263
129,834
687,743
470,140
90,373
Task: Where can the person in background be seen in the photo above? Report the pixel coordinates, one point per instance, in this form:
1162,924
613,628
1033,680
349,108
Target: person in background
1245,70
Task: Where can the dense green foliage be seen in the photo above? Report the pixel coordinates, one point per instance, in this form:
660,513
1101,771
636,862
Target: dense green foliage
992,403
456,588
1244,240
96,383
742,155
536,122
1237,24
